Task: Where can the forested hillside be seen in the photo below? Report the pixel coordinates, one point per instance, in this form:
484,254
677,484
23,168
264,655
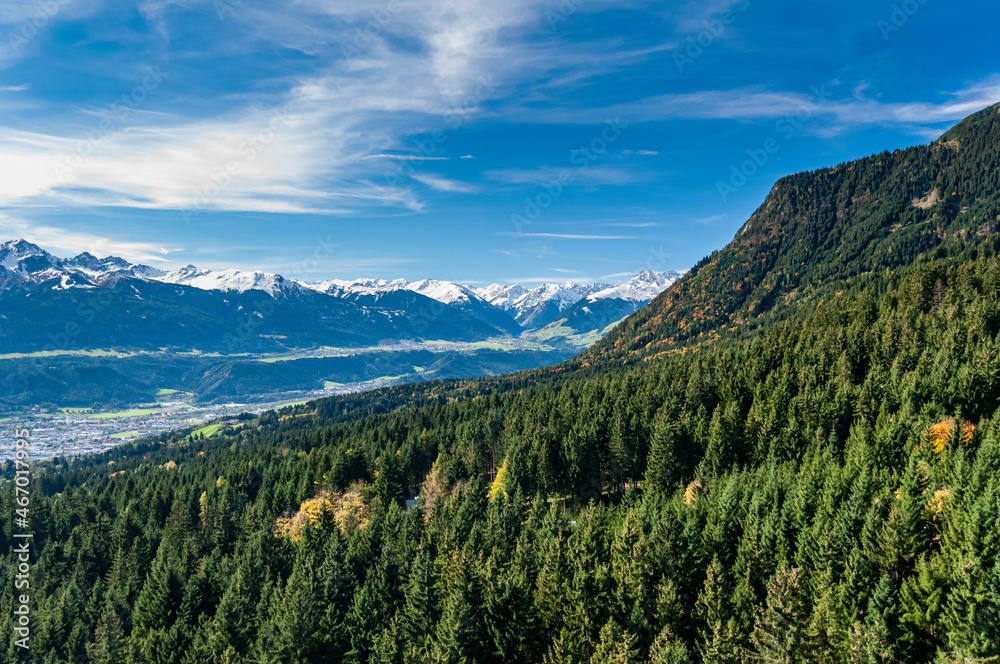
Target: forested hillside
817,229
817,482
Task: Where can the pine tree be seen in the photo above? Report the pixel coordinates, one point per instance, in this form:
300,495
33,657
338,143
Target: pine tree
418,615
454,639
669,650
664,468
108,646
295,622
616,646
159,601
828,629
880,638
719,641
780,633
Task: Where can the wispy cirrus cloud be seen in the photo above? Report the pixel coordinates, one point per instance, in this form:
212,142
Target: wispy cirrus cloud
709,219
570,236
754,103
65,242
444,184
589,176
404,157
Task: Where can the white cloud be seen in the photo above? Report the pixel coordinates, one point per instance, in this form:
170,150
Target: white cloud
755,104
64,243
568,236
444,184
421,67
587,176
405,157
709,219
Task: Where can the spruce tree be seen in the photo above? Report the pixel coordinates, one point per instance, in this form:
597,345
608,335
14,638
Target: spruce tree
615,646
108,645
779,636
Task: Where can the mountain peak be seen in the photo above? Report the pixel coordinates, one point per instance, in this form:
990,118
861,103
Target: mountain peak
985,123
33,257
443,291
21,247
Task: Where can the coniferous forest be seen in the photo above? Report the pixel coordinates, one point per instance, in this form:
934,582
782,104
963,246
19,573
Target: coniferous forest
791,456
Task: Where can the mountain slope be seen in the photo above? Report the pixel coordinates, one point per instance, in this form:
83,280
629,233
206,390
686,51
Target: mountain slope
872,214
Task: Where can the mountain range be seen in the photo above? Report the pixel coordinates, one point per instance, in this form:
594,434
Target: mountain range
376,310
54,309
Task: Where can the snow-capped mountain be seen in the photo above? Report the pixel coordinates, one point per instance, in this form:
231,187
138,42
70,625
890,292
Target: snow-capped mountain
342,288
543,305
28,262
24,258
509,309
231,280
502,296
446,292
538,306
644,287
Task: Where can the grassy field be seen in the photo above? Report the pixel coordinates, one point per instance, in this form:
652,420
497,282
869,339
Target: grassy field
209,430
71,353
76,411
558,332
124,413
125,434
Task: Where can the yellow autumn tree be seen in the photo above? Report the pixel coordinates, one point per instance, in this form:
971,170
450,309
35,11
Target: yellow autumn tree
940,434
347,510
499,484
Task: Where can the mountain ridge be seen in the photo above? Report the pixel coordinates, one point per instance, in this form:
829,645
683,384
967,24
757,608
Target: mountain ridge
874,213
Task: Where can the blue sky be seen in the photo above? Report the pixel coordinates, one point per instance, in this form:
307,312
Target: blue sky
471,140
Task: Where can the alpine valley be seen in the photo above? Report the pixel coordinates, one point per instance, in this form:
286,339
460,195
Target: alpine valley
106,333
792,455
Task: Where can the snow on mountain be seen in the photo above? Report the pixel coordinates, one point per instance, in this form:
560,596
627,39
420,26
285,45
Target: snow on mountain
501,295
25,258
643,287
446,292
342,288
32,263
94,267
231,280
561,296
543,304
22,260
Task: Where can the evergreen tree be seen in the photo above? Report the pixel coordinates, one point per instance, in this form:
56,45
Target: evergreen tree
780,633
109,644
616,646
